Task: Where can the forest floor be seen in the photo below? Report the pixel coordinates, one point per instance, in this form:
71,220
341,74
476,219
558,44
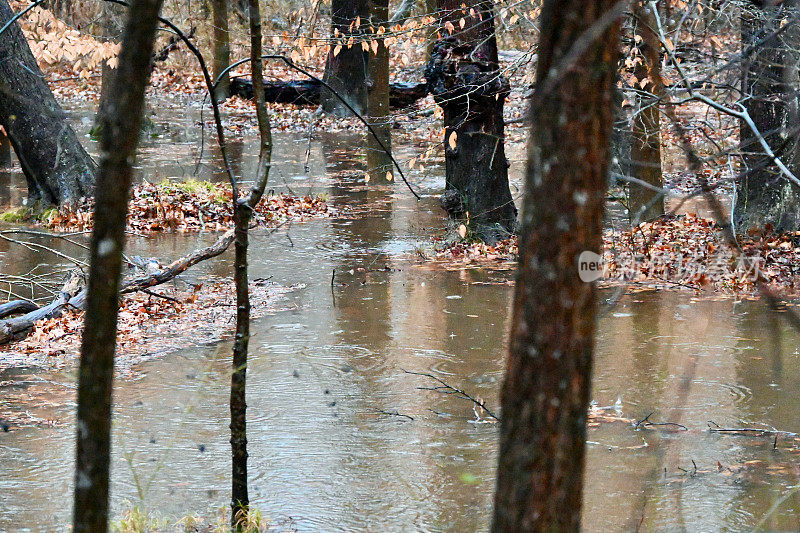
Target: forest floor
153,323
681,252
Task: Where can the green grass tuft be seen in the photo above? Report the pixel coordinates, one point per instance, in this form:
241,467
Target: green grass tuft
16,214
215,191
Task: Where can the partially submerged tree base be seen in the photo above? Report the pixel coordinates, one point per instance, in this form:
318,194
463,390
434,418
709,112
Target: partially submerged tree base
471,91
57,168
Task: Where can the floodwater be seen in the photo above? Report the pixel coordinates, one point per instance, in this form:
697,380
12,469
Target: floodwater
342,439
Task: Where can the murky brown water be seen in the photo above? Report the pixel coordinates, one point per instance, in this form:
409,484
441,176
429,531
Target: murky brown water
326,383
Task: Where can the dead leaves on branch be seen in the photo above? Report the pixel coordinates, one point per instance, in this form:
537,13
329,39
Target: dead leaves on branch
53,43
190,206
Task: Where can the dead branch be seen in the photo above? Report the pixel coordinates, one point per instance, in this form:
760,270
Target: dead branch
16,328
713,427
177,267
645,423
446,388
73,294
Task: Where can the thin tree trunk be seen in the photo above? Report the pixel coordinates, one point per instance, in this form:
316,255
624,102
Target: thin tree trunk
545,394
464,77
122,116
770,87
430,9
346,67
243,208
5,150
56,166
110,28
222,46
403,12
644,203
378,161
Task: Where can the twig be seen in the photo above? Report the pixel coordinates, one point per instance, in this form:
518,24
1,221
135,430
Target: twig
446,388
395,414
713,427
645,423
157,295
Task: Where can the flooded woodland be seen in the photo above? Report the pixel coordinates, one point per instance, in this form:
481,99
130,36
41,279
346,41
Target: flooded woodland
423,348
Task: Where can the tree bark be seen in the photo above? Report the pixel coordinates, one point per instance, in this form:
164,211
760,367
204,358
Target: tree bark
346,71
402,13
770,84
56,166
464,77
222,47
243,209
545,395
109,22
122,117
378,98
644,204
5,150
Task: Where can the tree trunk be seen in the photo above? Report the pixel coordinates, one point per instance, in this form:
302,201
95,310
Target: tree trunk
430,9
346,71
222,47
243,208
109,23
378,161
403,12
5,150
545,395
770,84
645,204
57,168
463,76
122,115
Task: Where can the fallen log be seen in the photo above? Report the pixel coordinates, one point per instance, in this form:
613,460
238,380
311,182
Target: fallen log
307,92
17,307
18,328
73,294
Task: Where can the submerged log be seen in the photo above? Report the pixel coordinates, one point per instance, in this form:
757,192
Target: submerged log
307,92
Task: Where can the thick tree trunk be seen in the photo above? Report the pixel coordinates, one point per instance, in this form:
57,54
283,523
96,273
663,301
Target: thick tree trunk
545,395
644,204
122,115
464,77
222,47
378,99
307,92
770,85
55,164
346,71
